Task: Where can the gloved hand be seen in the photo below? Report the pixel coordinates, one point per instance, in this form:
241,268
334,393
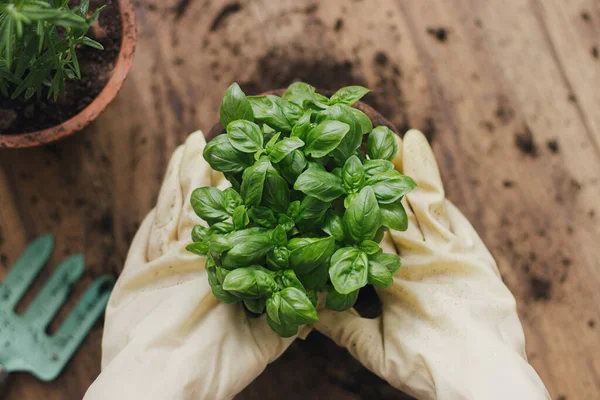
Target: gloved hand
449,328
166,336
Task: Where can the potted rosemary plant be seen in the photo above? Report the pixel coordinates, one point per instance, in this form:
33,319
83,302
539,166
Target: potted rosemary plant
61,63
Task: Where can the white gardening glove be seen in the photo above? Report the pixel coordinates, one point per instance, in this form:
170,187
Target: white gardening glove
166,336
449,328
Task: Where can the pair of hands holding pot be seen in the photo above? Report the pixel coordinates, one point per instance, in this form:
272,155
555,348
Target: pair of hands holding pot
448,330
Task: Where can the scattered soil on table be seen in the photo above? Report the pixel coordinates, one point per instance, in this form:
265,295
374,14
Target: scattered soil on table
553,146
441,34
525,143
595,52
541,289
21,116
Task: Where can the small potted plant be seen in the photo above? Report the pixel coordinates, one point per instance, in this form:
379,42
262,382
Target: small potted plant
61,64
313,190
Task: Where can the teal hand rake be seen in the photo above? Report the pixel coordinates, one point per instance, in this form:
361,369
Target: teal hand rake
24,344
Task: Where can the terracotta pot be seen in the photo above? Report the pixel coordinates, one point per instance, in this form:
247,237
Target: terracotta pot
91,112
375,117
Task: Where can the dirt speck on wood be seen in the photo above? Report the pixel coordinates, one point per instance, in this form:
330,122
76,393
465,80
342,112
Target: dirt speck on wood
440,33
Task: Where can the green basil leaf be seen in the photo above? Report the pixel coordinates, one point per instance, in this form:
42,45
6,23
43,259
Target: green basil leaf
299,93
325,137
279,236
250,282
276,193
364,121
317,278
320,184
334,226
212,276
282,329
286,222
374,167
390,186
219,244
349,95
224,296
380,233
288,278
251,250
273,304
310,255
209,204
390,261
379,276
285,147
232,200
349,199
234,179
222,156
295,307
268,131
278,259
275,112
312,210
353,174
381,144
245,136
199,248
369,247
313,297
394,215
221,274
363,218
235,105
303,126
257,306
294,209
349,270
262,216
292,165
199,233
271,142
221,227
240,218
253,182
353,138
337,172
340,302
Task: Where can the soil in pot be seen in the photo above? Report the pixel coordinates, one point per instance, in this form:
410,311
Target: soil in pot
22,116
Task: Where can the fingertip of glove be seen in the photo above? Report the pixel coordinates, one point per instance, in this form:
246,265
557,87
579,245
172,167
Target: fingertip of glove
196,136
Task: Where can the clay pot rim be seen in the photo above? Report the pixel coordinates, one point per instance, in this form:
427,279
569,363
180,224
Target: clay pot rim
373,114
92,110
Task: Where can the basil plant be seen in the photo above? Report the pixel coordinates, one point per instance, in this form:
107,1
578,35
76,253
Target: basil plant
307,206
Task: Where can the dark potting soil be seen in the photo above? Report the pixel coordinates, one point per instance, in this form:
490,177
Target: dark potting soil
21,116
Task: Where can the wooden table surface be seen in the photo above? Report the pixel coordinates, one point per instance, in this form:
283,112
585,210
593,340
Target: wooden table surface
507,91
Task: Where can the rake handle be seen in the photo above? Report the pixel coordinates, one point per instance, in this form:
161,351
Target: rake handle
3,381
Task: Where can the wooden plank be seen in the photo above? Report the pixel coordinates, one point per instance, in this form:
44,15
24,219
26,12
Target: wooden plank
490,83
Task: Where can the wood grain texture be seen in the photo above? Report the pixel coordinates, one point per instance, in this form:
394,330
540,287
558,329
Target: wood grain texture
506,91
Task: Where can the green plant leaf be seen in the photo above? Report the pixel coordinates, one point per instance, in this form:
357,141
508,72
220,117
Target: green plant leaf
262,216
285,147
390,261
221,274
273,304
334,226
325,137
267,110
224,296
271,143
235,106
369,247
349,270
307,254
211,271
209,204
320,184
247,250
250,282
381,144
315,278
362,218
219,244
364,121
91,43
222,156
288,278
340,302
379,276
303,126
199,248
276,193
257,306
245,136
278,259
253,181
292,165
374,167
240,218
390,186
198,233
311,210
295,307
353,174
352,140
282,329
279,236
349,95
394,216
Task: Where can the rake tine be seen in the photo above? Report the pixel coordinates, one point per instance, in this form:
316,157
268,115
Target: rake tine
25,270
91,306
54,293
